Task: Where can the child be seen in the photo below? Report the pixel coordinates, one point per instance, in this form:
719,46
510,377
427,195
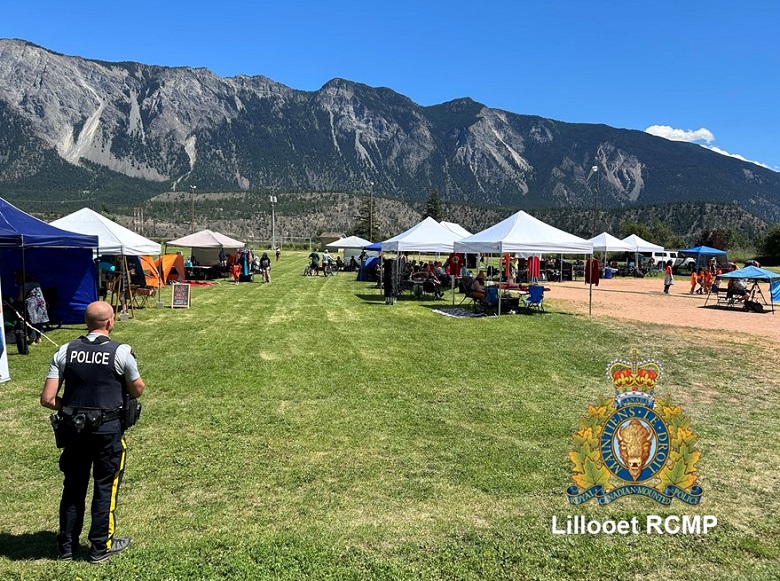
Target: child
235,270
708,280
694,280
700,280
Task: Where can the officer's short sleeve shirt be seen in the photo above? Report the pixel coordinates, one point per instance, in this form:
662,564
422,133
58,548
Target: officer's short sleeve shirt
124,362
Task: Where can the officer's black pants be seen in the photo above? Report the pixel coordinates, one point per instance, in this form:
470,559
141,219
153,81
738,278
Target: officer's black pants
105,455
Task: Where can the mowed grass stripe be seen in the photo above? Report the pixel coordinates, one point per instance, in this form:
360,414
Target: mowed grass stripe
303,429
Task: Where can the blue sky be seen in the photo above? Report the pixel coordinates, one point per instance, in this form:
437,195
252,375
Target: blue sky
702,71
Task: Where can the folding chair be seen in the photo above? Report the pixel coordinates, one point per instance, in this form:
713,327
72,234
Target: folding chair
141,296
535,298
465,287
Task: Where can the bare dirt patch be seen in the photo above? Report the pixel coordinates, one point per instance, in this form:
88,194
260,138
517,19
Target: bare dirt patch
642,299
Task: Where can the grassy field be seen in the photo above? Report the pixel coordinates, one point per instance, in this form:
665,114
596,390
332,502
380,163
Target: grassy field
305,430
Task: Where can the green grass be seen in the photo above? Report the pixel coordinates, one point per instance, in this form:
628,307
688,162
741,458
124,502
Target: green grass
303,429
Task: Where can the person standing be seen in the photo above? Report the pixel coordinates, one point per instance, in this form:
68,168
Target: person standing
668,276
278,253
31,294
314,262
265,267
96,373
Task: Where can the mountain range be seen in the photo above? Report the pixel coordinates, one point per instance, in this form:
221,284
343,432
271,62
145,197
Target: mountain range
89,132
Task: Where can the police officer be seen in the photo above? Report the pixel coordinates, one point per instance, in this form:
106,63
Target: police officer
95,370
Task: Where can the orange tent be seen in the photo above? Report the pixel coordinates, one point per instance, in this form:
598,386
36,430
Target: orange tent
172,268
151,273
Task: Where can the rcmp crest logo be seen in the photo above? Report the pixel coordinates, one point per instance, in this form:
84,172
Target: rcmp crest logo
634,444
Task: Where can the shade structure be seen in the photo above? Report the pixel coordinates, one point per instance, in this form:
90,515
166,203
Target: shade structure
703,250
523,233
605,242
703,254
752,273
113,239
755,273
640,245
19,229
60,260
457,228
426,236
206,239
349,242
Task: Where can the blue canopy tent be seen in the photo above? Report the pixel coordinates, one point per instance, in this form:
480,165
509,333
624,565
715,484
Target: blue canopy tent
703,254
61,261
368,268
755,274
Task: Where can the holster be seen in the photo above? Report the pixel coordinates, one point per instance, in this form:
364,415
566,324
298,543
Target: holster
56,425
131,411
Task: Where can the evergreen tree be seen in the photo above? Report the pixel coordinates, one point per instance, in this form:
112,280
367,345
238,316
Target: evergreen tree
367,223
433,206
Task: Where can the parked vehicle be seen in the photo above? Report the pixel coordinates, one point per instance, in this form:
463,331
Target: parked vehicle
659,260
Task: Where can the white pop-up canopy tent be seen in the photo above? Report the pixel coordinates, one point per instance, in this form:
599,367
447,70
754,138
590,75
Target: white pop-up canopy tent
113,239
209,243
457,228
605,242
523,233
206,239
348,242
640,245
426,236
352,247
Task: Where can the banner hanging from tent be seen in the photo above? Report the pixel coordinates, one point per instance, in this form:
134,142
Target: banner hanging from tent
4,373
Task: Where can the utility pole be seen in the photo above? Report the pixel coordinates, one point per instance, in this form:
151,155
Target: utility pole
273,222
371,211
594,170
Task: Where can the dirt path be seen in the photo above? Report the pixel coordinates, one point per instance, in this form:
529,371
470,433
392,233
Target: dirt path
642,299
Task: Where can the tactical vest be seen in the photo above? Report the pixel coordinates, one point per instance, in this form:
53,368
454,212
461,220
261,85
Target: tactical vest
91,381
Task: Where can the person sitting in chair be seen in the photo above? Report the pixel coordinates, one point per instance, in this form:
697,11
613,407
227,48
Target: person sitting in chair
478,287
737,289
432,285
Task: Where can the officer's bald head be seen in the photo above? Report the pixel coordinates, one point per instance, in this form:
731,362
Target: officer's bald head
99,316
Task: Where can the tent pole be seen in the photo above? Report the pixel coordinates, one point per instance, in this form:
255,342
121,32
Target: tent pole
590,292
159,304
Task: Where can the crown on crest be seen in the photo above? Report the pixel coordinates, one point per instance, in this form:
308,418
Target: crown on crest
634,380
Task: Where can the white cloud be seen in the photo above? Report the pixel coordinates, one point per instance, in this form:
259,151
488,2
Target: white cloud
698,135
737,156
681,134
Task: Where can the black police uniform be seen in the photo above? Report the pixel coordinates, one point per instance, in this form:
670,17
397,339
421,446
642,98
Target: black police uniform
93,439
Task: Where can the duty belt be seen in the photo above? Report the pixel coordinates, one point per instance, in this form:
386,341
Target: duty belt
82,417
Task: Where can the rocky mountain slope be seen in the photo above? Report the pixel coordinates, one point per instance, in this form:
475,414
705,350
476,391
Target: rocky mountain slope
119,133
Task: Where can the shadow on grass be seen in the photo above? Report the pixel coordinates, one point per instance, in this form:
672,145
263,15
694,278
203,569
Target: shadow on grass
371,298
27,546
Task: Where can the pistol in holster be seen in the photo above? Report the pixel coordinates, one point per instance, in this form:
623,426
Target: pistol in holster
131,411
56,425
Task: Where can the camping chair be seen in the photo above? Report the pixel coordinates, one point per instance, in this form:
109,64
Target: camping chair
465,285
490,302
535,298
141,296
